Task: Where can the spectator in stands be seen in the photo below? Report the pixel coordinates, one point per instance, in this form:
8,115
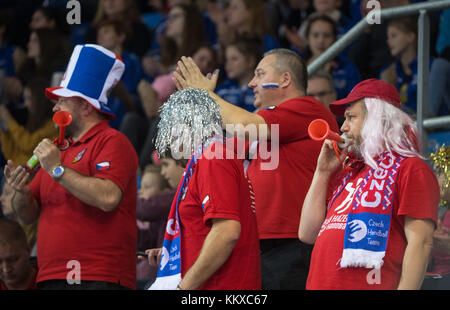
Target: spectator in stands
16,270
241,58
206,8
281,189
443,40
141,129
321,87
438,275
17,141
49,18
154,14
53,19
112,34
375,231
402,41
212,214
154,200
205,57
295,13
440,85
6,205
127,12
184,33
321,34
329,8
332,9
11,56
249,17
371,44
84,195
43,18
440,70
45,56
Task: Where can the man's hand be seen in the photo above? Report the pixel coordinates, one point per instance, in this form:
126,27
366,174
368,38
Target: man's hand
23,203
17,177
154,256
49,155
328,161
188,75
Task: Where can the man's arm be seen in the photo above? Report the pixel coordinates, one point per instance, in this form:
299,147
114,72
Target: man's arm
236,116
23,203
25,207
314,208
216,250
189,75
100,193
314,205
419,236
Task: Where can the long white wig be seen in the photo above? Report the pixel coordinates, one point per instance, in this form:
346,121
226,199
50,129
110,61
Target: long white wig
387,128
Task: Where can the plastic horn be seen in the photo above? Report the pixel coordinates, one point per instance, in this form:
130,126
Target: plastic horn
61,119
319,130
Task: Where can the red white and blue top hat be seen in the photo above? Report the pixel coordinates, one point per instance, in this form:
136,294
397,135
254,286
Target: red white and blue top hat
92,71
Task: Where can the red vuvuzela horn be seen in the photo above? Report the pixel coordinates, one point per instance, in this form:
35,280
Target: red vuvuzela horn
62,119
319,130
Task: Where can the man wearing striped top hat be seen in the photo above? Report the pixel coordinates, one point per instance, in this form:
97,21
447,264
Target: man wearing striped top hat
84,196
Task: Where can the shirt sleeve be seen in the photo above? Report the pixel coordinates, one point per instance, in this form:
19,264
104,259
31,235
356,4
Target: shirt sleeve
218,182
290,123
294,116
418,190
115,160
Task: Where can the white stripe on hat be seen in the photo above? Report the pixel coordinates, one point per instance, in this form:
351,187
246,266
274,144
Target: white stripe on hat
114,76
71,66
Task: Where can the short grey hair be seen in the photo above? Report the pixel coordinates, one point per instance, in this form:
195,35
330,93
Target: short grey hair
288,61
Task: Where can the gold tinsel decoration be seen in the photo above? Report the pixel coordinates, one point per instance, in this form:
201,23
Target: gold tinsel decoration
440,159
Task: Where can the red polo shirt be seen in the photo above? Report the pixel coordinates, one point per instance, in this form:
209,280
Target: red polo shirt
219,189
279,193
104,244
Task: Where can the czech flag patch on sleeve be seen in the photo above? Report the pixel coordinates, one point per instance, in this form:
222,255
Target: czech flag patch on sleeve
103,165
205,203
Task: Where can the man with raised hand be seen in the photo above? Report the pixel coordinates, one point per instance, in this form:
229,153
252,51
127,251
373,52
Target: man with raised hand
281,178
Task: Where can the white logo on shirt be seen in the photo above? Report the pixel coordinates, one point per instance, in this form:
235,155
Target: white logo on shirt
351,193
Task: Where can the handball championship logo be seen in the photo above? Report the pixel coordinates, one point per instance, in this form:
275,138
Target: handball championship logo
358,230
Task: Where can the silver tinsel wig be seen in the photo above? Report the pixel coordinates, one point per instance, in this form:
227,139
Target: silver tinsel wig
188,119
